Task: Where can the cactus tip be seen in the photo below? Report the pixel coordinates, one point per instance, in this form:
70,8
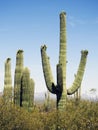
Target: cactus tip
44,47
62,13
19,51
8,59
84,52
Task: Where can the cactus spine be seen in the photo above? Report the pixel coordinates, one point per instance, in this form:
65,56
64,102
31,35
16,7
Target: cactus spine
60,89
7,81
18,75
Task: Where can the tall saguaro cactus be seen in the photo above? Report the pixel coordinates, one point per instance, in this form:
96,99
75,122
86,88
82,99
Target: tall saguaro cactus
60,89
7,81
18,75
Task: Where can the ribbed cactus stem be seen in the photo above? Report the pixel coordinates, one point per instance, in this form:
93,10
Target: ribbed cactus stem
77,94
32,87
25,88
8,81
61,67
17,77
62,55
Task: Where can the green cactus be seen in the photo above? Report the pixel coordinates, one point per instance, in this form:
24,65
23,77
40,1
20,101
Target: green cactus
7,94
27,90
47,101
31,99
77,94
18,75
60,89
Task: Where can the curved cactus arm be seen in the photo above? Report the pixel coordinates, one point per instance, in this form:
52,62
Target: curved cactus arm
47,70
80,73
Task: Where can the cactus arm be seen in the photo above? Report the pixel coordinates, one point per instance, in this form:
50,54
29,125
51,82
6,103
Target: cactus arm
47,71
80,73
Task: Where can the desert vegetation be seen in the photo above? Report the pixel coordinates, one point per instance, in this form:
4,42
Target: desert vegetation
83,116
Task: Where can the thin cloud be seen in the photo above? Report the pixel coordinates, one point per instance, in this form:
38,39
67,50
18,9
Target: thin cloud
74,21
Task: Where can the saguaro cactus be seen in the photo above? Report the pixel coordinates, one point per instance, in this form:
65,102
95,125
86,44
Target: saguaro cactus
18,75
77,94
7,81
27,90
60,89
31,100
47,101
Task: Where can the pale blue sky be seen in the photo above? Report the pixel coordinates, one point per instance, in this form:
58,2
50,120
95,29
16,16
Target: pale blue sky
27,24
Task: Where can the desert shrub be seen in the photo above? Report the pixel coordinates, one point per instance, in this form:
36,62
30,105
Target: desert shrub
83,116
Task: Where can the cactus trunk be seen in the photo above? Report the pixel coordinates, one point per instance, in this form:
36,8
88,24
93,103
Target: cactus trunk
60,89
7,81
17,78
61,67
25,88
31,99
